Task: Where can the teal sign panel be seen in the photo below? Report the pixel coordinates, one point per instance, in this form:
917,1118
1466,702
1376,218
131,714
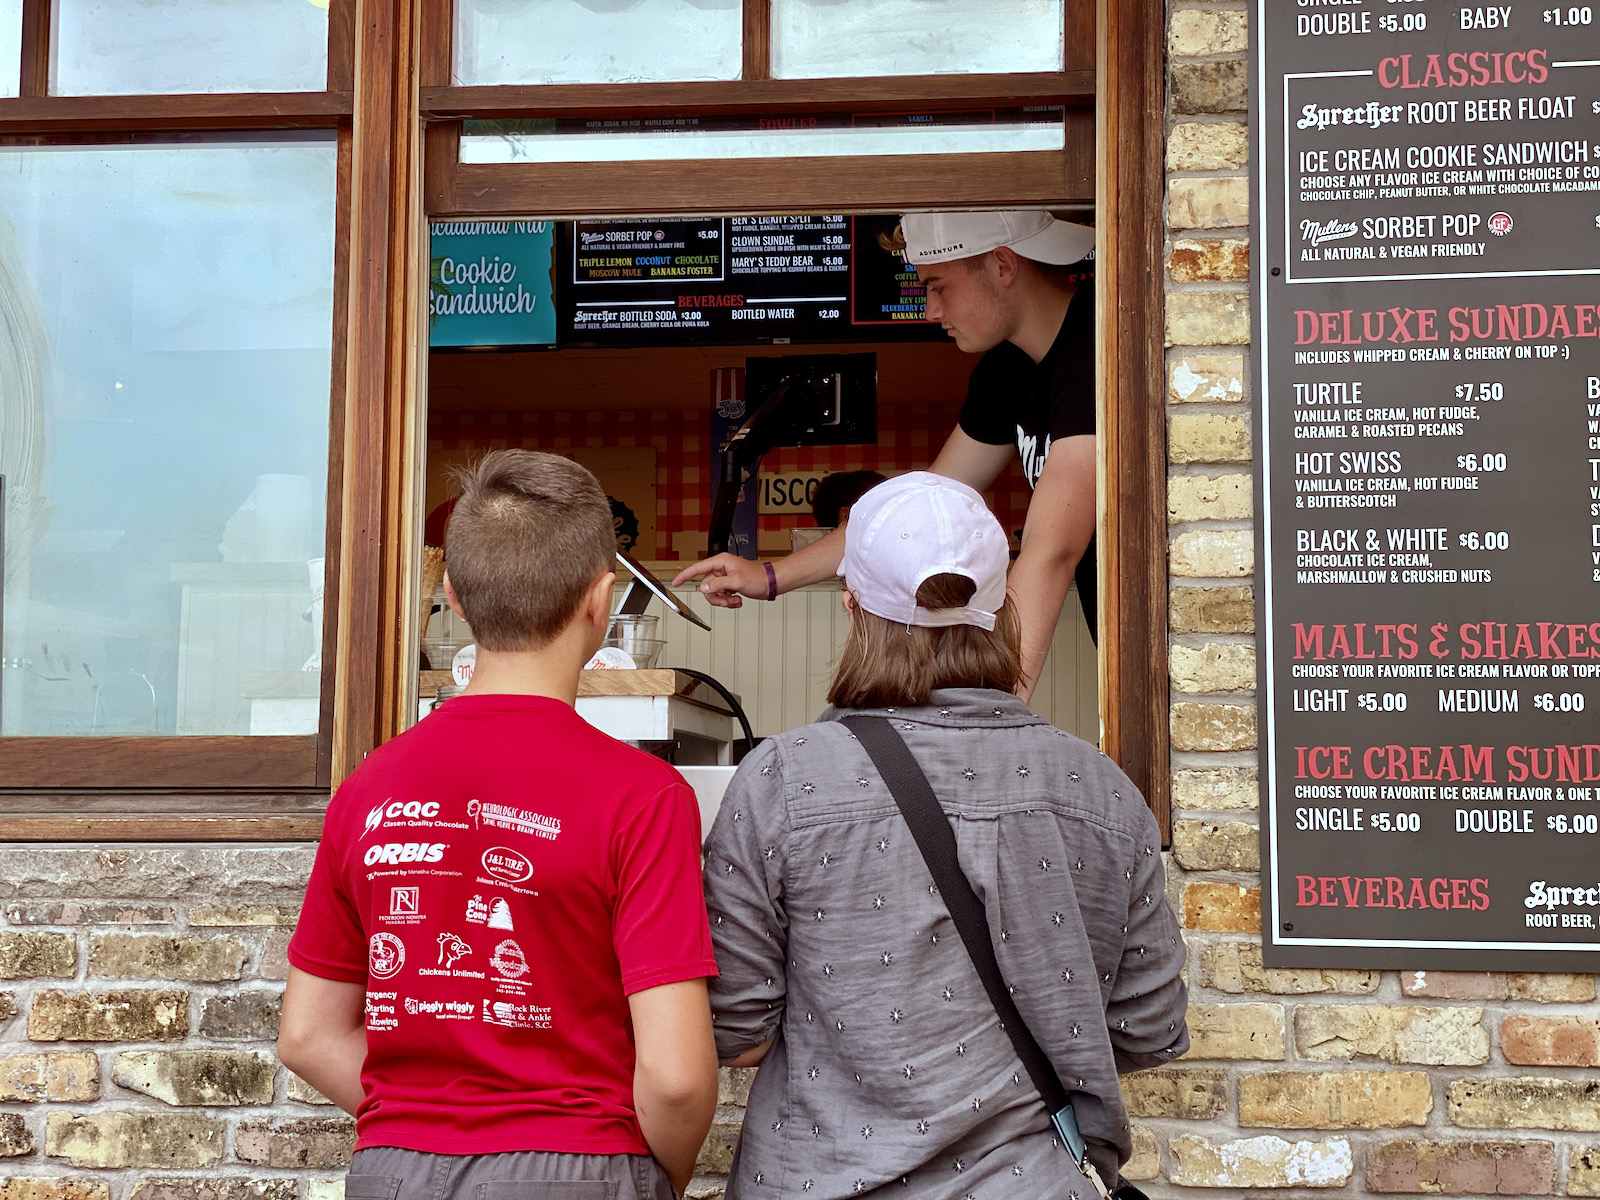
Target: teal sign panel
491,284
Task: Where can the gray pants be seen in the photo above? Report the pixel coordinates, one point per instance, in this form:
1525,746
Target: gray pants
389,1173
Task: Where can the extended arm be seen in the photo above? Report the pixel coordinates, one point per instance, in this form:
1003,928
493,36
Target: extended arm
726,579
674,1074
1060,524
322,1035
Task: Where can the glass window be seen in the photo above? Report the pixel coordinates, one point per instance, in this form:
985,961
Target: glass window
809,136
165,354
818,39
139,47
10,47
597,41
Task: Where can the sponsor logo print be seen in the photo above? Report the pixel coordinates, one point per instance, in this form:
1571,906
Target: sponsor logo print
516,1016
477,911
394,853
500,915
517,820
395,810
386,954
444,1010
403,901
451,948
503,863
1500,223
509,960
380,1009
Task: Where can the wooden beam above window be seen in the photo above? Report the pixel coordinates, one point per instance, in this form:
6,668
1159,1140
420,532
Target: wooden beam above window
854,184
919,93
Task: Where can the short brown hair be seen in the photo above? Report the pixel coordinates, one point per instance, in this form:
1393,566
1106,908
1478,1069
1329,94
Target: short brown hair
885,664
528,537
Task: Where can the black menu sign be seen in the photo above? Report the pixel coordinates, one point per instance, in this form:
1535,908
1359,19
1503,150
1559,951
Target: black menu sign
1426,221
737,280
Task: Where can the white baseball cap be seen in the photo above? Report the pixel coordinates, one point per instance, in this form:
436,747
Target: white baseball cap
936,237
915,526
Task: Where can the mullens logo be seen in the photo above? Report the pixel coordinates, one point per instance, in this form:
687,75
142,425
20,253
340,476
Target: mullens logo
1317,232
395,853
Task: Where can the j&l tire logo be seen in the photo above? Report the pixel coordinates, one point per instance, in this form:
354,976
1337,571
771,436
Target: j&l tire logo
386,954
507,864
509,960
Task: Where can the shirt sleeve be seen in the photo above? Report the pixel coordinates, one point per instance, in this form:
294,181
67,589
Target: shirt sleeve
659,923
1145,1012
994,389
745,857
1072,382
328,940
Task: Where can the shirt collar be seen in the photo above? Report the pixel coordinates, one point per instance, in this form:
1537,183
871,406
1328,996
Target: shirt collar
961,708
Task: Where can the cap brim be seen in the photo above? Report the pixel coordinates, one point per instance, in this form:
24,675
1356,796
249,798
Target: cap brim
1059,243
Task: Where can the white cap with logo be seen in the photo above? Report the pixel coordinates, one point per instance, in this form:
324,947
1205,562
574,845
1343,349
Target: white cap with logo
936,237
913,527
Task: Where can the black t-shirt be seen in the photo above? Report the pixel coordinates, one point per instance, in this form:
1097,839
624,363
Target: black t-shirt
1011,400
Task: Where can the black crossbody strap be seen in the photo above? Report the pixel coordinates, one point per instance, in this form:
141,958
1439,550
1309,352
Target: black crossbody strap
934,837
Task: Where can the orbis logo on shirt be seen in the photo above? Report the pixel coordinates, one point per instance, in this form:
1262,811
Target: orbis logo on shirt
395,853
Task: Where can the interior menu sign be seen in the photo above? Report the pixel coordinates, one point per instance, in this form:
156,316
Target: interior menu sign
1426,278
738,280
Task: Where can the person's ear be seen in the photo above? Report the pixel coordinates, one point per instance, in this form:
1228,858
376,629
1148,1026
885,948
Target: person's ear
848,599
450,597
1006,265
597,602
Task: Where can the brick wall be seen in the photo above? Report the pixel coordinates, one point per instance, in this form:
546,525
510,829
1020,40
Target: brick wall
1348,1082
139,997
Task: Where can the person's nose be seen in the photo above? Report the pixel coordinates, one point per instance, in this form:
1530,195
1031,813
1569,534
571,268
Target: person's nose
932,310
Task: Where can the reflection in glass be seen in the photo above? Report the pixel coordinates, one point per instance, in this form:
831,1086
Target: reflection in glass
139,47
596,41
824,39
10,47
165,353
811,136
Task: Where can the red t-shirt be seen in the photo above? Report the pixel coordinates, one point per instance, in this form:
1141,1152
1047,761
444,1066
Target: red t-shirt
501,878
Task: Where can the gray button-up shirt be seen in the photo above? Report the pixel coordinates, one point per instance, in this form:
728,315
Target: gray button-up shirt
889,1065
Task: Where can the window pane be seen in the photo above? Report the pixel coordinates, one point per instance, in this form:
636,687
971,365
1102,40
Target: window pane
165,354
136,47
814,136
816,39
596,41
10,47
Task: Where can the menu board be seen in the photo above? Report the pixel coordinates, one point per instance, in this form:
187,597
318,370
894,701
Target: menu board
737,281
1426,241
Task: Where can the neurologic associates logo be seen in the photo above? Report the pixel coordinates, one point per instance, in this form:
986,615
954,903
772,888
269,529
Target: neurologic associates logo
1314,233
518,820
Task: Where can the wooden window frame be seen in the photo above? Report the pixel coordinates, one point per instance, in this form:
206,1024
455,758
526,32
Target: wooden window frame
209,787
397,142
1111,88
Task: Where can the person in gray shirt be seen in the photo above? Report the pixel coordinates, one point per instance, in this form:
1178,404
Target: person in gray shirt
883,1062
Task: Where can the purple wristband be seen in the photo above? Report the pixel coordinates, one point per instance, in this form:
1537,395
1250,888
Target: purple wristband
772,581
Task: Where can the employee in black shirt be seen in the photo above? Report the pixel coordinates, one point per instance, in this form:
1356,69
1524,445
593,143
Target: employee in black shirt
997,283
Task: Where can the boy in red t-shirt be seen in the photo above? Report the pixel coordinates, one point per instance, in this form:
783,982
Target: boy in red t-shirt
500,968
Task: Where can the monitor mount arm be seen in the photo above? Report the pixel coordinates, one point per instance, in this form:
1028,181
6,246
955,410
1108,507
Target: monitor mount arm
741,457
